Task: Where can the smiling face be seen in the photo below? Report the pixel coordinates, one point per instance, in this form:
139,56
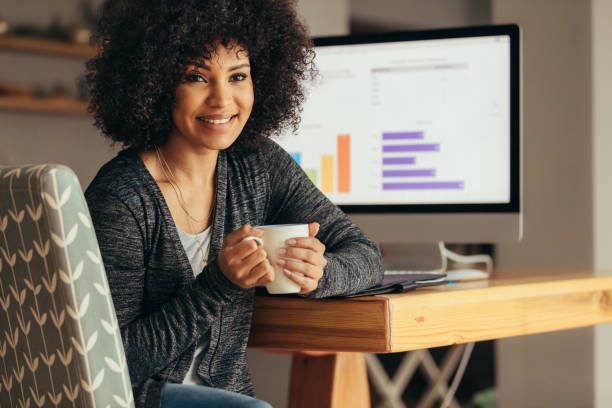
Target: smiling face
214,100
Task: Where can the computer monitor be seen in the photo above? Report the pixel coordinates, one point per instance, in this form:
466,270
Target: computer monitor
416,135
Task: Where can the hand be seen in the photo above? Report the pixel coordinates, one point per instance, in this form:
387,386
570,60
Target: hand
308,250
245,263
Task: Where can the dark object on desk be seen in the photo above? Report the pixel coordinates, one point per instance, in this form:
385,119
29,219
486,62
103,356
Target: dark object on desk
390,284
403,283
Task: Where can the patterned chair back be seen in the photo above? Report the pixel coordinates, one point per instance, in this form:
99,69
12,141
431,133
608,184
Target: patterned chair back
60,344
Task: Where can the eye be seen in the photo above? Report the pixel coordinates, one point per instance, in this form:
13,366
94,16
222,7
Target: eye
195,77
238,77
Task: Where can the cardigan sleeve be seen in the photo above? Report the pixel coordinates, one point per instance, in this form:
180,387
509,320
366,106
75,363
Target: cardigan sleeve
152,340
354,262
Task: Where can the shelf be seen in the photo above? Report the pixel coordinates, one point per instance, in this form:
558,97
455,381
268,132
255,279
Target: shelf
52,105
42,46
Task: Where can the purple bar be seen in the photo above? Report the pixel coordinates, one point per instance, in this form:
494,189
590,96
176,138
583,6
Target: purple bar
436,185
411,148
402,135
409,173
398,160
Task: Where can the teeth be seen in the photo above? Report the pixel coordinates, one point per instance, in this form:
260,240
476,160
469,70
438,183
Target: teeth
216,121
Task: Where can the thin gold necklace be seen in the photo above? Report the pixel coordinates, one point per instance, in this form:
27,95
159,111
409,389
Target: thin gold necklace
179,195
177,190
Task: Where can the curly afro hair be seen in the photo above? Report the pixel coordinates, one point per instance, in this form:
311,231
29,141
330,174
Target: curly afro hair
145,46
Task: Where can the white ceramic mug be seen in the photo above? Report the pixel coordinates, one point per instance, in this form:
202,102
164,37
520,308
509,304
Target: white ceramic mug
275,237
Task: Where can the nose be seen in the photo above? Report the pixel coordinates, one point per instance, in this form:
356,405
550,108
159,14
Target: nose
220,95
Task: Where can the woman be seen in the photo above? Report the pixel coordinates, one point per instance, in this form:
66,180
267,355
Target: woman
194,89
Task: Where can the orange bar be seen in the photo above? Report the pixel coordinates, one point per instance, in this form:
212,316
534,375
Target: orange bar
327,173
344,163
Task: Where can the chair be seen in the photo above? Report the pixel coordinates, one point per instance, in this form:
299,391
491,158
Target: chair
59,339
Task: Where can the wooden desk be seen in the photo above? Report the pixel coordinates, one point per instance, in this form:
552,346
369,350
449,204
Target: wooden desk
513,303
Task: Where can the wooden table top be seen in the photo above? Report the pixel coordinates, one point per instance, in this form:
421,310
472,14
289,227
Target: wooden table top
513,303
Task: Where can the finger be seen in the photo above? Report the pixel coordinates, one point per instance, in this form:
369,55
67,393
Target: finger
308,243
244,249
313,229
241,233
253,259
262,273
304,268
307,284
305,255
236,254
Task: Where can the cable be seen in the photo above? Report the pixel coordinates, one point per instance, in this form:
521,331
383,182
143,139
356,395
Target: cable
453,256
445,255
467,352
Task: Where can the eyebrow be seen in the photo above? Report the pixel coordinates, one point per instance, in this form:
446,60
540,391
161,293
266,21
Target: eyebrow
234,68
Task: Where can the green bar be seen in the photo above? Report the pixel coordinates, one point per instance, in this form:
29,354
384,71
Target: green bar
312,175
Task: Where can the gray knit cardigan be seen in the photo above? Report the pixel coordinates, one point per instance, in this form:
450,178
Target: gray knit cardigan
162,309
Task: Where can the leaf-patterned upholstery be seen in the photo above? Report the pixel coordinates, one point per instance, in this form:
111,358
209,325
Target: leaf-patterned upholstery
60,344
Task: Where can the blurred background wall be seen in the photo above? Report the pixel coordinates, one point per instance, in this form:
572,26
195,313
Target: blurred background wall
567,128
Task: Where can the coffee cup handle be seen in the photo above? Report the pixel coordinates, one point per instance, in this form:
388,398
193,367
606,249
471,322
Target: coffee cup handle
256,239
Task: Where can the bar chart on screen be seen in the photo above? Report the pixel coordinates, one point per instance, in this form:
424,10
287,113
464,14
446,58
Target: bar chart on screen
401,130
399,163
334,171
388,164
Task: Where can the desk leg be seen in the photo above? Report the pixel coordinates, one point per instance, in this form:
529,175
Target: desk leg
335,380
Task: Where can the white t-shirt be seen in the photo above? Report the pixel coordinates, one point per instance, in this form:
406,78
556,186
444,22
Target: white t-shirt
194,254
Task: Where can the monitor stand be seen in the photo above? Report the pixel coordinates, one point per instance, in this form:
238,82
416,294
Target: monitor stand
424,257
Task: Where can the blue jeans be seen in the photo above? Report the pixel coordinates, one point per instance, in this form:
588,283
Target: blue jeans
198,396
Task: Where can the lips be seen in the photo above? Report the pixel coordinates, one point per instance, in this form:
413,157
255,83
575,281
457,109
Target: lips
216,119
217,122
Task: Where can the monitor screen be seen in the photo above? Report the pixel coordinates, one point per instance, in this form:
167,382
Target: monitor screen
423,121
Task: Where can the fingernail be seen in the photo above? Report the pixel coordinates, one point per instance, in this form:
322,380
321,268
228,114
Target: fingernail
282,251
281,262
287,272
291,242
